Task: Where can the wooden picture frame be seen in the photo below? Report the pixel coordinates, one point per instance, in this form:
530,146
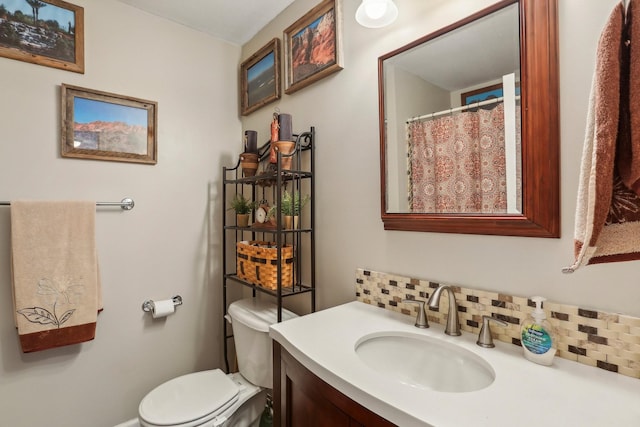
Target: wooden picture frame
104,126
306,63
260,78
49,33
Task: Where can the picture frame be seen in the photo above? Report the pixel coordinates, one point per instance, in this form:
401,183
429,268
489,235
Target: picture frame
49,33
100,125
304,64
485,93
260,78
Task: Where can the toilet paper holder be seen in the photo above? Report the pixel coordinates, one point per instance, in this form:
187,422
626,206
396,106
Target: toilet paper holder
148,305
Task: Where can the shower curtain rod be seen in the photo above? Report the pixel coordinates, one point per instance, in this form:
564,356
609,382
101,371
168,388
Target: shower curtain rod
126,204
454,110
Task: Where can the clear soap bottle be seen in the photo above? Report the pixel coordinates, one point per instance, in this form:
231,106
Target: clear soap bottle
538,336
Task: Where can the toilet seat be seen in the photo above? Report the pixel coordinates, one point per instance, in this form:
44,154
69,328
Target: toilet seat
189,400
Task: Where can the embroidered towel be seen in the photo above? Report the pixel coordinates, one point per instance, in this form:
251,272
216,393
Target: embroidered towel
607,226
56,289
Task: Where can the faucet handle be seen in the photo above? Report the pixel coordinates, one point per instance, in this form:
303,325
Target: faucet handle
484,337
421,318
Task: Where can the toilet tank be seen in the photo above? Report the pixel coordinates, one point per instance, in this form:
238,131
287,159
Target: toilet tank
250,320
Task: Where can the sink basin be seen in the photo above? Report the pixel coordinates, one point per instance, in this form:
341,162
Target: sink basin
424,362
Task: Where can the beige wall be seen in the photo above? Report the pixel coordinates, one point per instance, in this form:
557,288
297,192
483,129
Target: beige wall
165,246
350,234
161,248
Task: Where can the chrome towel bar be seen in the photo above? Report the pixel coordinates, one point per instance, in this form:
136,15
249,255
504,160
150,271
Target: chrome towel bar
126,204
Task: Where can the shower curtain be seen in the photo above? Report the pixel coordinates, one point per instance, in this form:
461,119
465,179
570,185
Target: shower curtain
457,163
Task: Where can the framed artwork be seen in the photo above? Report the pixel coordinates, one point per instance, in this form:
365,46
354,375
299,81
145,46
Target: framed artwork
485,93
313,46
47,32
105,126
260,78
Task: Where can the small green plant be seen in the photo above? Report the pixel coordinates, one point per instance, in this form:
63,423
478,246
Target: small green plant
242,205
292,203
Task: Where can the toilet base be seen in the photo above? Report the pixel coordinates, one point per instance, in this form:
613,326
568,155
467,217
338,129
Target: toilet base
244,413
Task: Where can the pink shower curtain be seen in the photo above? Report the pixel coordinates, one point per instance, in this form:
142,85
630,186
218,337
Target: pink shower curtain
457,163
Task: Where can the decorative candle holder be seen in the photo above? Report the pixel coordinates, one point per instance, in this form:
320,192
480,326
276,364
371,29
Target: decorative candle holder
285,147
249,163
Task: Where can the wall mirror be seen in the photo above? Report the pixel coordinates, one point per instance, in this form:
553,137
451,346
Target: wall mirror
469,125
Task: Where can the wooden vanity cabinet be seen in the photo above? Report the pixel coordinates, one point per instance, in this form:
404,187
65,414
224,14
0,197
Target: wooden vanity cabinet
301,399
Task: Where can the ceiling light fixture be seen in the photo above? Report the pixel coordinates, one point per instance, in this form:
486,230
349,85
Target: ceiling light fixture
376,13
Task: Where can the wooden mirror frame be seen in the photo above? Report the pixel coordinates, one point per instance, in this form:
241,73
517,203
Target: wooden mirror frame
540,135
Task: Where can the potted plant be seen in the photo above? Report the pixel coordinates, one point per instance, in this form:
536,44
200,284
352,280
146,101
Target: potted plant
291,205
243,208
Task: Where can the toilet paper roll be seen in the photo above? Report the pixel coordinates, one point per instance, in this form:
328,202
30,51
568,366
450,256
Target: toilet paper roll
163,308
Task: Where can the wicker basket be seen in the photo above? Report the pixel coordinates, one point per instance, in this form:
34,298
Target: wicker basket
257,263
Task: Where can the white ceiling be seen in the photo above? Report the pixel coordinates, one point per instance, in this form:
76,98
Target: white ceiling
235,21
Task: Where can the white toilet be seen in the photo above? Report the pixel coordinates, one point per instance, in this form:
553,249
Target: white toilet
213,398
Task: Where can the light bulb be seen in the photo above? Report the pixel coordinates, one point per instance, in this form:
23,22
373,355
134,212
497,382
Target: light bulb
376,13
375,8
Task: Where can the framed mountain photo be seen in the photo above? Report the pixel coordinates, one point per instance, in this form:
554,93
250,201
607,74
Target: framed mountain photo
105,126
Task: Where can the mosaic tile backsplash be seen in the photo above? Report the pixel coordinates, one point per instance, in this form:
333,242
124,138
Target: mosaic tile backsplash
595,338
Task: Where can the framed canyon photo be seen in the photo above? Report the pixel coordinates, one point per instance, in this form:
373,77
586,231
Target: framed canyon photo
313,46
49,33
260,78
104,126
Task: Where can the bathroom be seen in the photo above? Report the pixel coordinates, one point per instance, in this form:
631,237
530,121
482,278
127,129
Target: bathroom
170,244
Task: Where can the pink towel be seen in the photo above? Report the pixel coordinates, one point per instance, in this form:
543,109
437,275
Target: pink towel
628,150
607,226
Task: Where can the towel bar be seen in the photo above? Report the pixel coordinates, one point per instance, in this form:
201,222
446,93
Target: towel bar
126,204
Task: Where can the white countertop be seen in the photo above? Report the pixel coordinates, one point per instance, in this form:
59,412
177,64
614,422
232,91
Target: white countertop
523,394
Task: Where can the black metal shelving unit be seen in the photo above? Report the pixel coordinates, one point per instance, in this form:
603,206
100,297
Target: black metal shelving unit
268,184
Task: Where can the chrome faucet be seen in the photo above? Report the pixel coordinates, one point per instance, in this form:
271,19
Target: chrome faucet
453,324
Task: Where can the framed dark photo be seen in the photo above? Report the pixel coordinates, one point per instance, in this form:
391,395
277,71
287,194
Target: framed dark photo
260,78
313,46
104,126
485,93
47,32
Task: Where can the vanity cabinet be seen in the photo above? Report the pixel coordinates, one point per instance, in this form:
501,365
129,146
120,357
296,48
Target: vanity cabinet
289,271
301,399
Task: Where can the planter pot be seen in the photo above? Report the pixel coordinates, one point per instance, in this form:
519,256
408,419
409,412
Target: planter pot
288,222
285,147
242,220
249,163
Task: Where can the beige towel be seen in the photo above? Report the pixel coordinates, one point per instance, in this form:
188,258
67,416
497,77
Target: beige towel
56,289
607,226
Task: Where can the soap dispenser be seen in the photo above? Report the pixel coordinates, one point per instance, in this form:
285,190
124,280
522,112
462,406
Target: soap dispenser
538,336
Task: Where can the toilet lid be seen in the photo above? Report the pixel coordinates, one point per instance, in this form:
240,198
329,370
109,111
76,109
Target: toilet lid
198,396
